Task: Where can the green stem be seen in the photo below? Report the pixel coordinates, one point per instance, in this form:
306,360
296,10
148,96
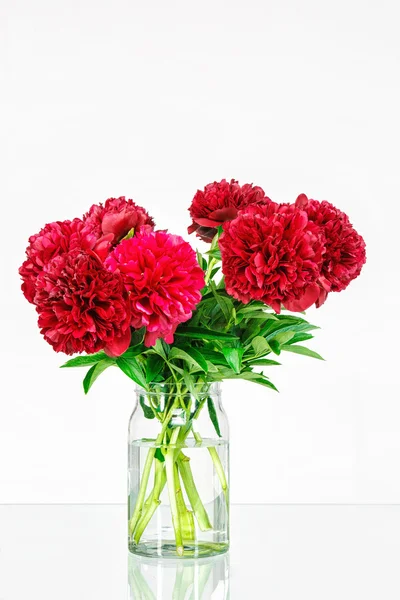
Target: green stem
192,493
146,473
185,515
210,267
218,467
153,501
170,471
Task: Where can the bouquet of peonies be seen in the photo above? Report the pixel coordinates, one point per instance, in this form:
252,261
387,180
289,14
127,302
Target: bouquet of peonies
112,286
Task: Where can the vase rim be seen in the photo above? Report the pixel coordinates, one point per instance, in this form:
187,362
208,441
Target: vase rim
156,388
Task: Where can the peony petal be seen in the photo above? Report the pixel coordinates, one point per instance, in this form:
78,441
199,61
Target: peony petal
301,201
119,345
308,298
224,214
208,222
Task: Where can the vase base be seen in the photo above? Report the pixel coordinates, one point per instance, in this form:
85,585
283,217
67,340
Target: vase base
167,549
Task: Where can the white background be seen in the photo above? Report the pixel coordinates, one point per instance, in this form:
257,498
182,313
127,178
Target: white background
153,100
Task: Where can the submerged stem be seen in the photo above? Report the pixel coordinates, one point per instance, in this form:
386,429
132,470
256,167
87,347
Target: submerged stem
146,473
153,501
192,493
218,467
170,471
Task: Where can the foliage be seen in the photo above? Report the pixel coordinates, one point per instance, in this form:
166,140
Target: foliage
224,339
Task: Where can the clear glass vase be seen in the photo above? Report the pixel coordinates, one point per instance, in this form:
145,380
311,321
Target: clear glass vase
178,472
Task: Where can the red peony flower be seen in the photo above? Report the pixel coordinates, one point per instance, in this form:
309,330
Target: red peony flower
82,306
345,248
117,217
272,253
163,277
220,202
53,240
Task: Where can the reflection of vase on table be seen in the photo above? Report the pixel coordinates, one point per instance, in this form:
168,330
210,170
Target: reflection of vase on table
174,579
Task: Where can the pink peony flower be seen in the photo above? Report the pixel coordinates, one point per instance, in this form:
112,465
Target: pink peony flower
82,307
220,202
345,248
163,278
272,253
117,217
53,240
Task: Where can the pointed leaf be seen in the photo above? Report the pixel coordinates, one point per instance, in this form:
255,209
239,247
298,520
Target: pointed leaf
302,350
200,333
260,346
132,369
154,366
95,371
283,337
180,354
300,337
234,357
147,411
213,415
84,361
263,362
259,378
275,347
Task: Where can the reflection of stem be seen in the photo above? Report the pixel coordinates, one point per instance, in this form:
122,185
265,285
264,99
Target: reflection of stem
183,581
218,467
170,470
192,493
139,585
204,575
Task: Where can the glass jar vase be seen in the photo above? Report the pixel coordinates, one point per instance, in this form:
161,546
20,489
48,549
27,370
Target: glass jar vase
178,472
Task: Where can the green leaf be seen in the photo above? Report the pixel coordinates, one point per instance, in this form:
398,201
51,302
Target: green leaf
193,358
213,356
300,337
134,351
95,371
234,357
154,365
225,303
213,415
259,378
129,235
132,369
302,350
211,367
147,411
159,455
197,356
137,336
200,333
283,337
85,361
274,328
161,348
263,362
190,383
275,347
201,260
260,346
215,253
252,330
178,369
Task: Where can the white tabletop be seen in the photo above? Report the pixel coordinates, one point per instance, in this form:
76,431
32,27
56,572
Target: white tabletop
78,552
